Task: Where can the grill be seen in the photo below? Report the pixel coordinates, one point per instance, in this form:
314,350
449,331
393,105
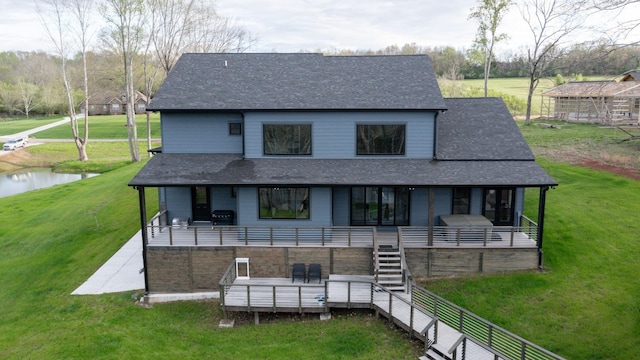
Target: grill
222,217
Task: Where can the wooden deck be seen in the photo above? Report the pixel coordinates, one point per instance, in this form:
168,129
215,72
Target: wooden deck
350,291
342,291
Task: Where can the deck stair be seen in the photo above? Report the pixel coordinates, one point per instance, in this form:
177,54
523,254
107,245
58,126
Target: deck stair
388,267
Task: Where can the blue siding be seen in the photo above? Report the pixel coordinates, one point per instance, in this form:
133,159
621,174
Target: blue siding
334,133
178,201
319,207
419,207
200,133
222,199
442,203
341,206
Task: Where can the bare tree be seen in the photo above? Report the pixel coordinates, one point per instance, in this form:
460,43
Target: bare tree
54,18
489,15
180,26
125,19
211,32
550,22
81,10
171,21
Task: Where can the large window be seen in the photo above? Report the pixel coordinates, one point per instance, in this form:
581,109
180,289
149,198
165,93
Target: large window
287,139
284,203
461,200
380,139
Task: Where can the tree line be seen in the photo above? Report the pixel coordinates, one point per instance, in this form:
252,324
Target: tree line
30,82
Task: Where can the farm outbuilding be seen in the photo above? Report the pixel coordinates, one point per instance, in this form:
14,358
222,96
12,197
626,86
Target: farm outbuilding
603,102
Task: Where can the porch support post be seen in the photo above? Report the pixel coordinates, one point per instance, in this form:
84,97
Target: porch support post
541,205
143,231
431,211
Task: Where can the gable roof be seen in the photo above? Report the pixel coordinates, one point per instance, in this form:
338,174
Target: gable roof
631,75
479,129
252,81
595,89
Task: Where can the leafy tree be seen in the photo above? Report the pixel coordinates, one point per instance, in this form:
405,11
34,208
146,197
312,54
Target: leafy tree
489,14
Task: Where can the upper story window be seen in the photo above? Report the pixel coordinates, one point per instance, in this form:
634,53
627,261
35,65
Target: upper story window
115,106
287,139
380,139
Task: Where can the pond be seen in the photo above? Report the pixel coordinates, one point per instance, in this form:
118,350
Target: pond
16,183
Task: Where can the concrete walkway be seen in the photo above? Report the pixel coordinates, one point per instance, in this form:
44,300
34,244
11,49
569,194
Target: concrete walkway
120,273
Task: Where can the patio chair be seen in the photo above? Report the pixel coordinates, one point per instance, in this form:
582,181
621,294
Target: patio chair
298,272
314,273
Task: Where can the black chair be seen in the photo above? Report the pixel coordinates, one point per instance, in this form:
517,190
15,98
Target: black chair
314,273
298,272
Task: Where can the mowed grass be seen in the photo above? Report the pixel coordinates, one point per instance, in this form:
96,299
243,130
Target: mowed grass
106,127
16,125
54,239
518,87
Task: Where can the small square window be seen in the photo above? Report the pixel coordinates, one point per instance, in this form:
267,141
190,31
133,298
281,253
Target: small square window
235,129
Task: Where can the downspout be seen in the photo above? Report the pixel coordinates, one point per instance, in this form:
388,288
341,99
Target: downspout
541,205
435,135
143,232
243,129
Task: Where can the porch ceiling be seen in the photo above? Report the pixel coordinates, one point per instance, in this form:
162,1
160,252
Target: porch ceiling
231,169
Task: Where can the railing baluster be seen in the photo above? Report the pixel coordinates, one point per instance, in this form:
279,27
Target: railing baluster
246,235
220,234
275,309
248,298
171,235
484,237
195,234
300,299
512,235
349,295
271,236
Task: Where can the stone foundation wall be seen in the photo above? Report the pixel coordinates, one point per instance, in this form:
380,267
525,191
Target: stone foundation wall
175,269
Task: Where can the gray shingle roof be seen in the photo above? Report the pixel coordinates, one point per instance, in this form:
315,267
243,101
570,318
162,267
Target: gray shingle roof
253,81
479,129
231,169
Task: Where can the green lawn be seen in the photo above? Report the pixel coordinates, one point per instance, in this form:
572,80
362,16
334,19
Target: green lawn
13,126
106,127
518,87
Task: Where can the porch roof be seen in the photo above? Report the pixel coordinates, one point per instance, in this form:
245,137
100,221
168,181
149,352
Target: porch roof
231,169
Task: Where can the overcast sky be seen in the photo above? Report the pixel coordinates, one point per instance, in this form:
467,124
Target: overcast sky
294,25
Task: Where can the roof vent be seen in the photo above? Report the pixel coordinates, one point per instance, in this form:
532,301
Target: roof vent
225,63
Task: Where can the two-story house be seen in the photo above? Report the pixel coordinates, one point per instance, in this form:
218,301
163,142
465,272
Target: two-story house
314,156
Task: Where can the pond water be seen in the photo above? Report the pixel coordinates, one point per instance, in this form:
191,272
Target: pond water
16,183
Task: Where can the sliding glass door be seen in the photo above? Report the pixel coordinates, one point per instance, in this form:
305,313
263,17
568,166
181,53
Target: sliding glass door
380,206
